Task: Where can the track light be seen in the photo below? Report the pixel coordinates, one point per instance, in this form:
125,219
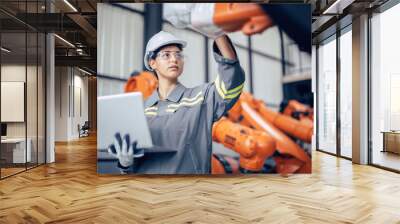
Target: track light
84,71
5,50
70,5
337,7
64,40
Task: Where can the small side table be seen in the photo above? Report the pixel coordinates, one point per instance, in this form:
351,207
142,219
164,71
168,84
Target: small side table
391,141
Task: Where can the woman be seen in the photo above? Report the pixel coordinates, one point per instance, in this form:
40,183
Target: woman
180,118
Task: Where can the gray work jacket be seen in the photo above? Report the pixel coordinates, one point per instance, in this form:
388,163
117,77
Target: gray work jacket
183,122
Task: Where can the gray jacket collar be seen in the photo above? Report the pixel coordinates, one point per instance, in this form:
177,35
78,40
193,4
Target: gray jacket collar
174,96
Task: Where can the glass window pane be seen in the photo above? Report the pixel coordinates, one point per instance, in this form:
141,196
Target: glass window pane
270,36
267,82
13,87
346,94
120,47
385,84
327,97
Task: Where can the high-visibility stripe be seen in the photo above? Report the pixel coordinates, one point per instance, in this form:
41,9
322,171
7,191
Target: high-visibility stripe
193,98
171,110
239,87
185,104
227,94
150,113
233,96
187,100
219,90
234,93
151,108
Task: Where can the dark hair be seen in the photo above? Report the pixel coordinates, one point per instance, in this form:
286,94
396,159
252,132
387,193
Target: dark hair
154,53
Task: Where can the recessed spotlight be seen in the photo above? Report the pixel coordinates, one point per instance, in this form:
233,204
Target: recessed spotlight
5,50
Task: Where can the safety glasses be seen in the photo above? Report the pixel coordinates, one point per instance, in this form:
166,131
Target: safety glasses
166,55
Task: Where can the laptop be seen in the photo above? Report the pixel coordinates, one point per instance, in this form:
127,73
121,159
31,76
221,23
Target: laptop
123,113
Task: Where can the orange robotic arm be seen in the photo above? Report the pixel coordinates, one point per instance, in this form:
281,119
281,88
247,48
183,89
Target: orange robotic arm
253,146
144,82
287,124
222,164
245,112
297,109
293,127
284,144
248,17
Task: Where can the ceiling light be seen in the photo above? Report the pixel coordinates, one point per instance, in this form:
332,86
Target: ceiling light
70,5
5,50
86,72
65,41
338,6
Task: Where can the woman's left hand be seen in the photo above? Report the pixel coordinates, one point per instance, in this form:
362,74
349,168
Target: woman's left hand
124,150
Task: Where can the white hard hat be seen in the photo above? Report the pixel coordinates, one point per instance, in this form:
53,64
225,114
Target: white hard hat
160,39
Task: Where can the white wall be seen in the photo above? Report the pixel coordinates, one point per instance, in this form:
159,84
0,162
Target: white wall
81,108
62,81
14,72
70,84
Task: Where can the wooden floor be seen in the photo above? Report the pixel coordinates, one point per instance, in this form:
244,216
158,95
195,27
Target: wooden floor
70,191
387,159
5,172
10,171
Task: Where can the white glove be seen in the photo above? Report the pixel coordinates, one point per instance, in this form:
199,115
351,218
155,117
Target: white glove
178,14
124,150
197,16
201,20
